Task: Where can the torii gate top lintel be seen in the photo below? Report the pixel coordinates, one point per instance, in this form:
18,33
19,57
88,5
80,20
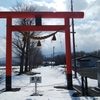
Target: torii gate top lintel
43,14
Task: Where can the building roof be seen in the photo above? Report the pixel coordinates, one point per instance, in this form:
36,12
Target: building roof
86,56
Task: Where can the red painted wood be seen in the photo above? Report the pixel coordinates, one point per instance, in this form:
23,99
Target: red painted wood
43,14
68,48
38,28
8,47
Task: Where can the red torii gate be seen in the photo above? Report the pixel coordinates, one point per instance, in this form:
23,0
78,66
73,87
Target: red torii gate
65,27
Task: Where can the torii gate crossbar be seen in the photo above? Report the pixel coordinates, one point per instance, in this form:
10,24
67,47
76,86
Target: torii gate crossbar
65,27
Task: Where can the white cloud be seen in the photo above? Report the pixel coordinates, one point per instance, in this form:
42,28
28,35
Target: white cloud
59,44
87,36
2,47
80,5
88,42
3,9
87,29
60,5
41,5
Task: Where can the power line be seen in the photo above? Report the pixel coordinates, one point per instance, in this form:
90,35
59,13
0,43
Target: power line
91,6
87,10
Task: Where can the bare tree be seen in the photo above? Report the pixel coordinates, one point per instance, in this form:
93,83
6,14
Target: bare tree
24,49
19,49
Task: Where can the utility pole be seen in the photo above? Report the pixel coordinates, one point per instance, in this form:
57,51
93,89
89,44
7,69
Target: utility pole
53,57
73,37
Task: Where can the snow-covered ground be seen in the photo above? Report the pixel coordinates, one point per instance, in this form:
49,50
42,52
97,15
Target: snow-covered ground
50,77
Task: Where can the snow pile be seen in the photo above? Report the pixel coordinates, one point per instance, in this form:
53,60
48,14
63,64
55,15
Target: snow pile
50,77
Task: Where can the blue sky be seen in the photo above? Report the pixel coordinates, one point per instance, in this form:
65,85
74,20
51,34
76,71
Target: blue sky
87,37
7,3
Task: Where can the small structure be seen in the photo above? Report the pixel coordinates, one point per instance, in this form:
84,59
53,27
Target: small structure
98,72
86,61
47,63
36,79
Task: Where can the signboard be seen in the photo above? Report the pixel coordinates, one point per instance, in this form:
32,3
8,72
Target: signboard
36,79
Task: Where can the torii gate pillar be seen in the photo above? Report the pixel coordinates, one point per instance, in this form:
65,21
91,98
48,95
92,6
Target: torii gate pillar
8,54
65,27
68,54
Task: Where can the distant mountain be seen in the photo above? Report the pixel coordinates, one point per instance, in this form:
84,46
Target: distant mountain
2,61
15,61
59,53
55,54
